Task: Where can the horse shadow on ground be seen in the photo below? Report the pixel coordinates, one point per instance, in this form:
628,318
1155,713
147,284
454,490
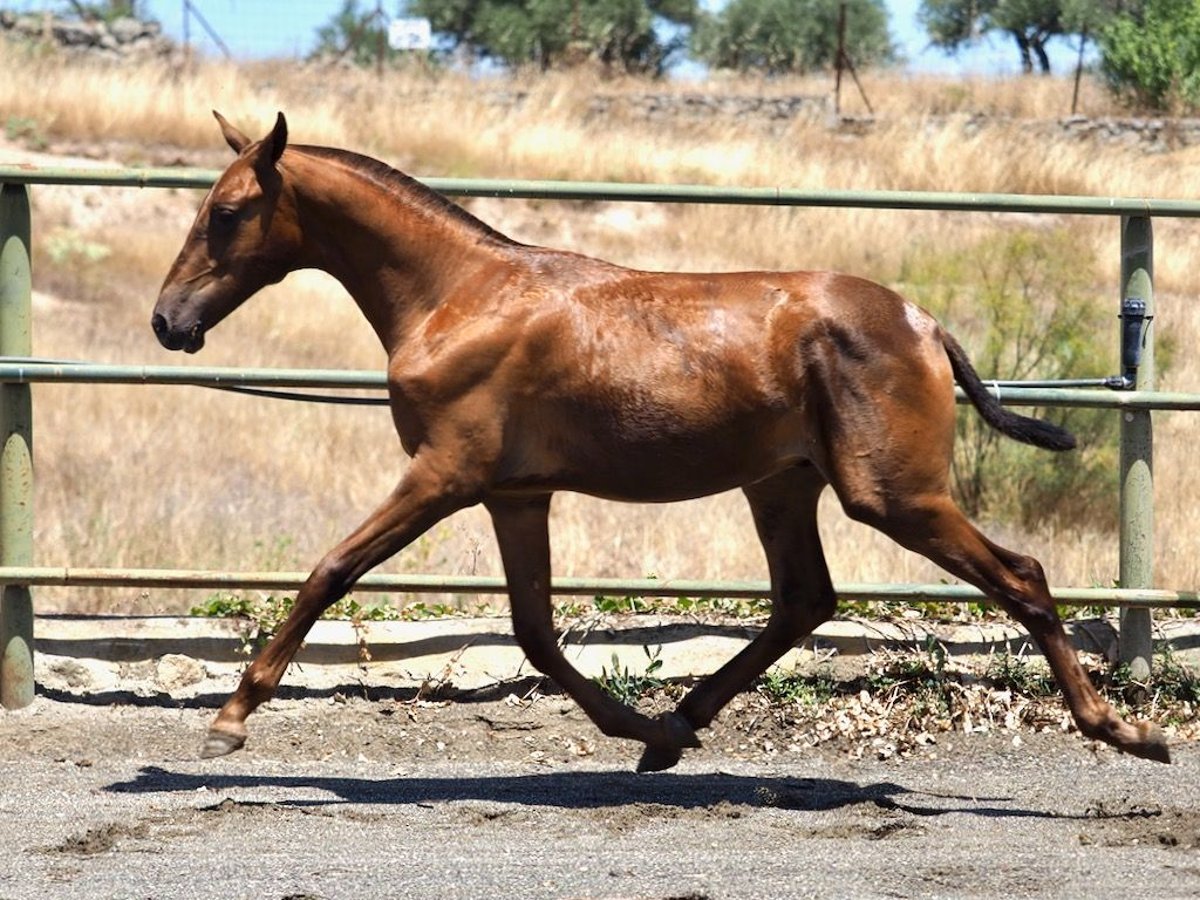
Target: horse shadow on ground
581,790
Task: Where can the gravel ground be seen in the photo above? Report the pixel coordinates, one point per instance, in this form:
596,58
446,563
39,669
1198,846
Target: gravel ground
342,796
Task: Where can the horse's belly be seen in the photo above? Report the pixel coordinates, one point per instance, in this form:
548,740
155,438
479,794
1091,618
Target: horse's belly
664,468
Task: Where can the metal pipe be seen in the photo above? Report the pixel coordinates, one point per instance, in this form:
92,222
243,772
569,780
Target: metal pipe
658,193
1136,563
21,372
30,372
196,579
16,449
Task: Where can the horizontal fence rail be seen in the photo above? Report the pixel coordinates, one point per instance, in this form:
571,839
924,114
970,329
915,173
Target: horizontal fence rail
200,579
524,189
1134,397
33,371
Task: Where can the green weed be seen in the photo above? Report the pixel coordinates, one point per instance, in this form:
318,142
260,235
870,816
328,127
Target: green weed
1015,673
25,130
628,686
1172,683
783,687
921,675
263,616
733,607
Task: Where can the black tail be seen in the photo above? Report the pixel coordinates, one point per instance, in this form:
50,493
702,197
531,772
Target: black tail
1025,429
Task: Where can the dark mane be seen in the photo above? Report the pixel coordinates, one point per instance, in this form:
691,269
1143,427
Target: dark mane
396,182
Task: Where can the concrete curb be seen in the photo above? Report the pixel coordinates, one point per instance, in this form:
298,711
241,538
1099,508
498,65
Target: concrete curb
476,652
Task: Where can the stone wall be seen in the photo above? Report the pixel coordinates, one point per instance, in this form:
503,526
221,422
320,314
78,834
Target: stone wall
1151,135
119,39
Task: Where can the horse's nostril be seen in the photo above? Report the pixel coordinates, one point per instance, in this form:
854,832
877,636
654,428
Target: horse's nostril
159,323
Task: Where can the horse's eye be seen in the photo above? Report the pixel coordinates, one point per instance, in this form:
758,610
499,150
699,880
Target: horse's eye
223,217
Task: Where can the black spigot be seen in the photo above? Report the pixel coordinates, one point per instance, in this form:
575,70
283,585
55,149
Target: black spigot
1133,335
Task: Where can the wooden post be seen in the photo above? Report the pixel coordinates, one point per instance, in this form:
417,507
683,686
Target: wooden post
839,60
844,62
1083,38
16,449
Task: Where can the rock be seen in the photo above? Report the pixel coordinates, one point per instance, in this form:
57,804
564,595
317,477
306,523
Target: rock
84,676
126,30
74,673
74,34
175,671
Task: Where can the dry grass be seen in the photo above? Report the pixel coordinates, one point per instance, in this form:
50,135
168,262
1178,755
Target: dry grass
189,478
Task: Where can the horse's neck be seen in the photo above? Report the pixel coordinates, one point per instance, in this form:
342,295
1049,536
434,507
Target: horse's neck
397,258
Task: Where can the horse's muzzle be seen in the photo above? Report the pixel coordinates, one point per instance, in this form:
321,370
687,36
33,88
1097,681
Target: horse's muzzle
188,340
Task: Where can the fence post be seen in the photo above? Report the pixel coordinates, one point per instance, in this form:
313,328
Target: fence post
16,449
1137,441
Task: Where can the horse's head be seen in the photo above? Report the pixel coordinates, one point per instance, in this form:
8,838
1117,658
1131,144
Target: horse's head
245,237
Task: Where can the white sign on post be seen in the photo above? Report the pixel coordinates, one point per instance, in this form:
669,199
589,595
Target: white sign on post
410,34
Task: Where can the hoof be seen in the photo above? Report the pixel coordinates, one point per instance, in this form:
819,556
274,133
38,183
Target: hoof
679,730
658,759
678,734
220,743
1153,744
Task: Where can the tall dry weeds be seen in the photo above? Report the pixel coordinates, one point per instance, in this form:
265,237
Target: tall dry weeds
189,478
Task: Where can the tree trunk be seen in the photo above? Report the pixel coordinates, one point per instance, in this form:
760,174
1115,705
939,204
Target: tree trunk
1039,48
1023,46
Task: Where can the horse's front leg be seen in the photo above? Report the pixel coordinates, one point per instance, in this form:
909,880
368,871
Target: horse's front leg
523,537
420,500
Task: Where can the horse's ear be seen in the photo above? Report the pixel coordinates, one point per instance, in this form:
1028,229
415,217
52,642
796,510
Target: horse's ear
234,138
278,138
272,146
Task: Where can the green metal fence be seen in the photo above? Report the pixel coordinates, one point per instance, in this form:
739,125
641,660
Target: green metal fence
1135,596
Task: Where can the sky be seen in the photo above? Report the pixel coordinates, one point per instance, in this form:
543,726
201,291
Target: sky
288,27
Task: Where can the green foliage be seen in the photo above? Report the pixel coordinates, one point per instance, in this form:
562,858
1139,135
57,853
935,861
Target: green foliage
1015,673
355,33
264,615
620,34
733,607
954,25
921,675
27,131
415,612
628,686
1022,303
105,10
778,36
358,34
1173,680
814,690
1171,683
67,247
1150,55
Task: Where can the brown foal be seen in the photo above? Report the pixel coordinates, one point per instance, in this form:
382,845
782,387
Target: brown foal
518,371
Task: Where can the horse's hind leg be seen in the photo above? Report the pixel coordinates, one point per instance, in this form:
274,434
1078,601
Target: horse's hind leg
523,538
934,527
785,514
